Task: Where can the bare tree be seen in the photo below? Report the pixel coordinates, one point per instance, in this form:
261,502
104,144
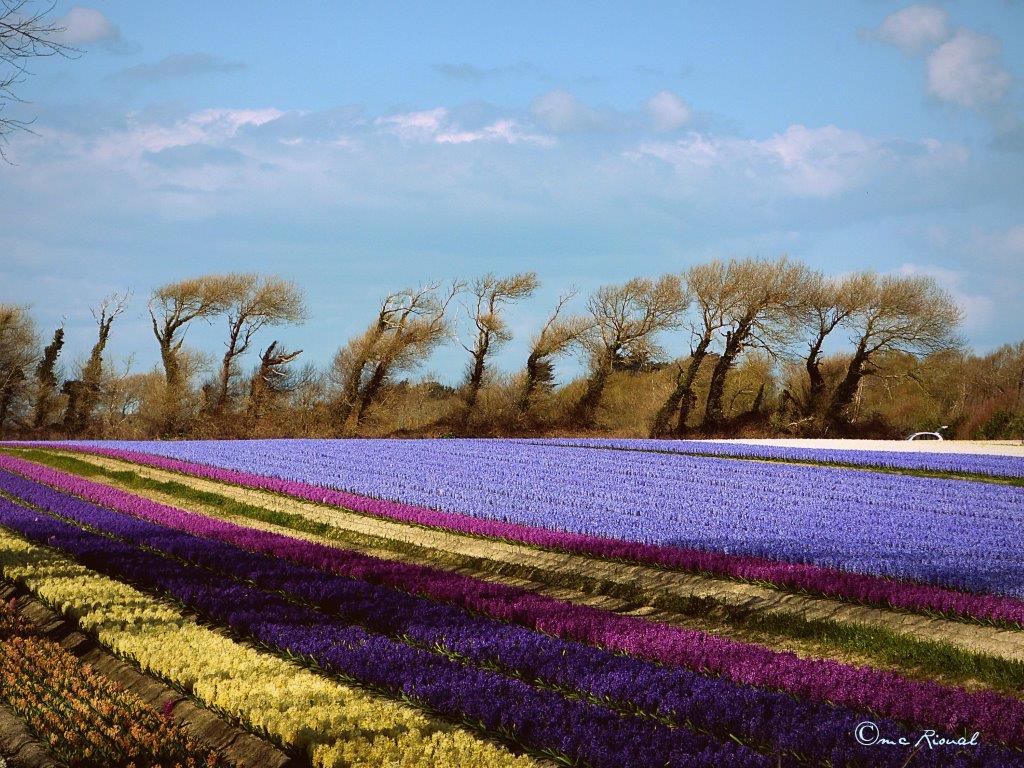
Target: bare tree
715,290
85,394
171,308
353,361
829,303
626,318
556,336
409,326
1001,373
771,295
18,345
269,379
120,397
987,392
46,380
25,33
490,295
257,303
909,314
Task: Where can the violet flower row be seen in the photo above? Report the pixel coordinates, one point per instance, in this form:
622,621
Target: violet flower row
539,718
830,582
925,703
961,463
776,721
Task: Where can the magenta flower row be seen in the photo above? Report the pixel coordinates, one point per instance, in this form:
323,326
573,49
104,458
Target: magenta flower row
830,582
921,702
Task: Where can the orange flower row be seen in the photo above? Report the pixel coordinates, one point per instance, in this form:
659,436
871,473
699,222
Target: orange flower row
84,718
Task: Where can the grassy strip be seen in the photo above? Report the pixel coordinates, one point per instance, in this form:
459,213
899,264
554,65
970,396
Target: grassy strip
335,724
71,462
920,658
932,473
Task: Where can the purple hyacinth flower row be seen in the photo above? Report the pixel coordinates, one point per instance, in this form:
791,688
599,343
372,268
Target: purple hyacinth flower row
955,533
1001,509
881,691
956,463
775,720
539,718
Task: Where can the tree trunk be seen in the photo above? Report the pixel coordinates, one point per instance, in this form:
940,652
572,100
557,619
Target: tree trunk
85,394
169,360
367,396
758,400
680,402
714,416
7,396
473,384
225,368
47,380
586,409
257,394
349,396
5,404
530,385
173,394
72,419
222,385
349,399
90,394
44,402
847,389
816,390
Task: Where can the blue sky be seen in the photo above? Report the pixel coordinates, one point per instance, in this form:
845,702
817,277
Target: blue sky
360,147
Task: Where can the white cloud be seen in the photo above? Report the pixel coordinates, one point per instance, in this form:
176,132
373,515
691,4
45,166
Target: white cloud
86,25
508,131
963,67
965,70
456,157
412,126
209,126
437,126
560,112
668,111
913,29
802,162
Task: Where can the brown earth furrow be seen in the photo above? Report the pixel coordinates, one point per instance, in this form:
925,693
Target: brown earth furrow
18,747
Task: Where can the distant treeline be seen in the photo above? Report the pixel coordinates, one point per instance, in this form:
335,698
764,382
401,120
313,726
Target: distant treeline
757,329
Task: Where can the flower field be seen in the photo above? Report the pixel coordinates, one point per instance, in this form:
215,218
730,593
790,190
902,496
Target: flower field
921,460
515,603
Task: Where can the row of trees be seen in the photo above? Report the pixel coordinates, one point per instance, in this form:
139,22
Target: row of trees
726,309
768,333
29,394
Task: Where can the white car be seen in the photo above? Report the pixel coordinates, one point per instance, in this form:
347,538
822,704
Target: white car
937,435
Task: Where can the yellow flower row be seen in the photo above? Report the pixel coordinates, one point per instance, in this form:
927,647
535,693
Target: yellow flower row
335,723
